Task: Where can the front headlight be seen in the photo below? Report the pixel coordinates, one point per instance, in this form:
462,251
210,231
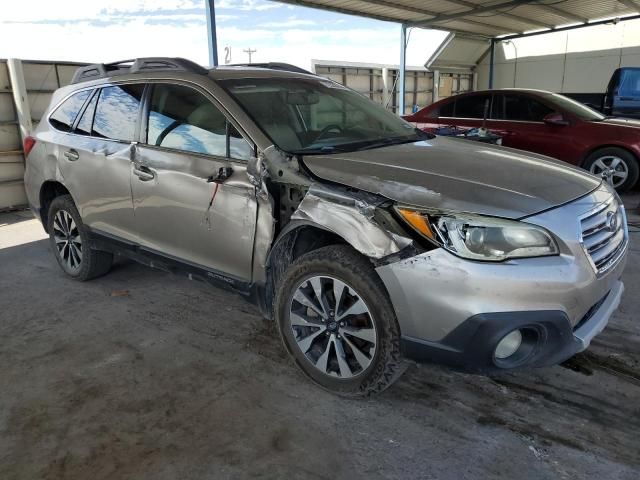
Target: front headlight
481,238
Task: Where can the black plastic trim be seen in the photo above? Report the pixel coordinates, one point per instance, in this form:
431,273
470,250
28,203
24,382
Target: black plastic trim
471,345
105,241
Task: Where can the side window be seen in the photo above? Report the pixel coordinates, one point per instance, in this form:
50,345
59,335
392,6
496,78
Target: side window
630,83
497,107
182,118
239,148
446,110
524,108
472,106
86,120
117,112
64,116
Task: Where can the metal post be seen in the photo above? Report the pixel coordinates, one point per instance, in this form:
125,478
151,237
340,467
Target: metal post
211,32
403,68
435,91
491,61
19,89
386,94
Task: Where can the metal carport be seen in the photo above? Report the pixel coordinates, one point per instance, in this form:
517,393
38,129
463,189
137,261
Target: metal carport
490,22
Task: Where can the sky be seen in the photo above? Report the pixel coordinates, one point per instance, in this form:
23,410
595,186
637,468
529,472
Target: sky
111,30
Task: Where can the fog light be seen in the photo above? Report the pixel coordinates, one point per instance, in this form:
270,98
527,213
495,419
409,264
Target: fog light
508,345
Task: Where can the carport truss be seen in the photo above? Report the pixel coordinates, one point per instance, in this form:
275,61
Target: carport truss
490,22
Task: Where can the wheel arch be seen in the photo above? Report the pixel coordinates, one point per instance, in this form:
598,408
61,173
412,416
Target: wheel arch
49,190
297,238
594,149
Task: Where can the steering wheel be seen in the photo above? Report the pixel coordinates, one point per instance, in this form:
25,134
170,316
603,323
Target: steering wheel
327,129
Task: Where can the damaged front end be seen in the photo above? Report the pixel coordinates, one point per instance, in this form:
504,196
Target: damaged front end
297,213
354,216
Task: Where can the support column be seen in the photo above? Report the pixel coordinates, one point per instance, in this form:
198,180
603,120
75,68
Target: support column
492,58
435,91
386,90
19,90
403,69
211,33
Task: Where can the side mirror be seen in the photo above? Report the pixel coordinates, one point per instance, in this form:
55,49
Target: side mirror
555,118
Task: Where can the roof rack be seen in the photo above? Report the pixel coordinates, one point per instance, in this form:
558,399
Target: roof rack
137,65
287,67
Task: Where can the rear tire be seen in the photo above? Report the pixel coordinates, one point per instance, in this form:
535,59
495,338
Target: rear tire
72,244
624,164
347,338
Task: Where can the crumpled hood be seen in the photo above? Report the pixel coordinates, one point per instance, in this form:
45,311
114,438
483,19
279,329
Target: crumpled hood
458,175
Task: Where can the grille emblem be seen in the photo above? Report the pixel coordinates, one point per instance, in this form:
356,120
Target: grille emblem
612,221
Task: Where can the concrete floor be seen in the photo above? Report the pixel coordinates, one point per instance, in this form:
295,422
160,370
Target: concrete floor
145,375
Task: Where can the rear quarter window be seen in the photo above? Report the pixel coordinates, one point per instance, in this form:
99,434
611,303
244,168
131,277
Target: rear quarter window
63,117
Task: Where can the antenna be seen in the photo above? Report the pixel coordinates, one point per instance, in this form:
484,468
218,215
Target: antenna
250,52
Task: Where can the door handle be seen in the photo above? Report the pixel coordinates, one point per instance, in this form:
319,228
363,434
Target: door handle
143,173
71,155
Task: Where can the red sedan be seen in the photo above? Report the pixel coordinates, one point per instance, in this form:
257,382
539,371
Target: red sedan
546,123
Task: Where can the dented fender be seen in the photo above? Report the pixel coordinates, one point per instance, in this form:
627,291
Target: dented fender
350,218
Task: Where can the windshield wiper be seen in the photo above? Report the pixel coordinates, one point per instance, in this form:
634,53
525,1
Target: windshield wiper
363,145
385,142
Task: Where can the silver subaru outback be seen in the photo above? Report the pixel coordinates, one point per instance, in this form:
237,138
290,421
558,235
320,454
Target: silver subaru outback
366,240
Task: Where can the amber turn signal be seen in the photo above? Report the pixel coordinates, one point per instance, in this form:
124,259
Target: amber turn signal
417,221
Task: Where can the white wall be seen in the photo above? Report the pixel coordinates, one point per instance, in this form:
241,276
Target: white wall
41,79
575,61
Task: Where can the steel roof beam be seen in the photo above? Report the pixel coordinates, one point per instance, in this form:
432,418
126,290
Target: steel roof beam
561,13
517,18
473,11
428,13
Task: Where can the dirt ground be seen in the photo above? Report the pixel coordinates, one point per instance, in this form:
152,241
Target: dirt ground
144,375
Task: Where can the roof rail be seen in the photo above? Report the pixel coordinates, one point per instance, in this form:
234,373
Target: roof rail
123,67
287,67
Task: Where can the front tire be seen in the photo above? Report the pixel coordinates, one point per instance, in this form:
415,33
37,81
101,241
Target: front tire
336,320
622,164
71,242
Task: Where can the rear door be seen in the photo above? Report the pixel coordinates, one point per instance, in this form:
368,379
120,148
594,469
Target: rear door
469,111
179,212
94,158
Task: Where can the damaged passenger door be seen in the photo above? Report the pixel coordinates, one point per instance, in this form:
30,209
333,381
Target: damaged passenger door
193,200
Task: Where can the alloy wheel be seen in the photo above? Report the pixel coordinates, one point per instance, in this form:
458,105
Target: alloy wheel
615,168
333,327
67,240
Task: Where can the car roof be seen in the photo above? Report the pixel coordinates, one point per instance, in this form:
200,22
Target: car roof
510,89
231,72
147,67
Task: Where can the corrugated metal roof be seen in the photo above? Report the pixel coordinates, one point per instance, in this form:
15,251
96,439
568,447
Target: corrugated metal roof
482,18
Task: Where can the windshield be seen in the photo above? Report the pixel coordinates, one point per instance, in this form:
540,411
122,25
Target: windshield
576,108
318,116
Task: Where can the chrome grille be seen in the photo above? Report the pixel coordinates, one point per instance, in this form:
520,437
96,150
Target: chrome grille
604,235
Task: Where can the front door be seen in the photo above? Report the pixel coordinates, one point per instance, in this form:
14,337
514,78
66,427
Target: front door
518,119
192,198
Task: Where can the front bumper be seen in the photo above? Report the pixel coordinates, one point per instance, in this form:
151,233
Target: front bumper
455,311
472,344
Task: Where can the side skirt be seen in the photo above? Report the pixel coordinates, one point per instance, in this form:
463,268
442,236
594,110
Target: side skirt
154,259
